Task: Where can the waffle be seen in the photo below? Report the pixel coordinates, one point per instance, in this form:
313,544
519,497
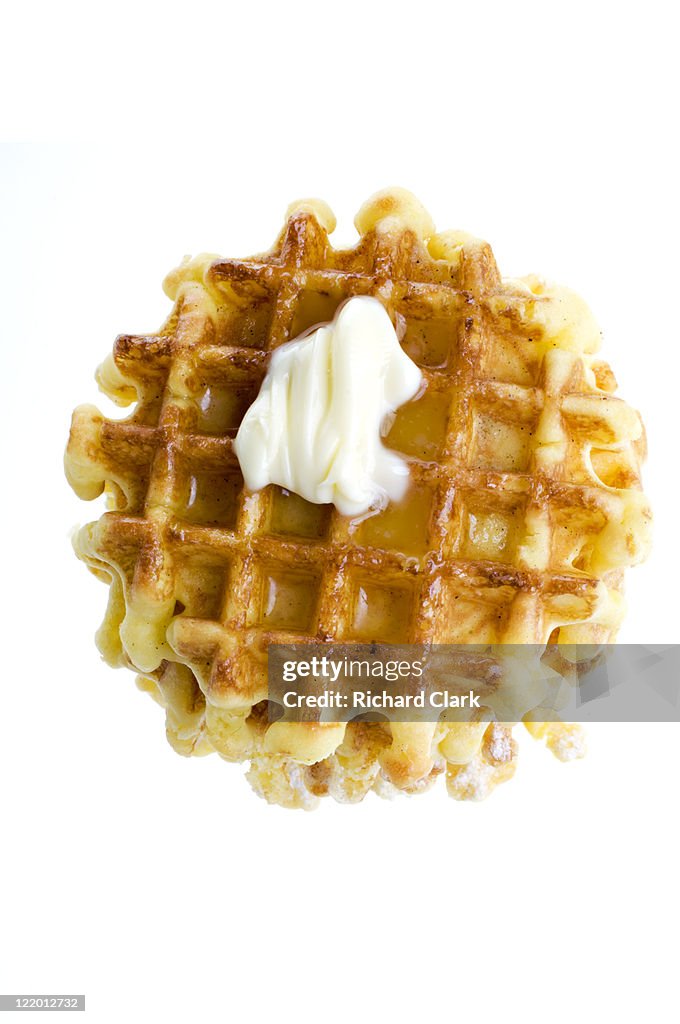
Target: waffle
524,507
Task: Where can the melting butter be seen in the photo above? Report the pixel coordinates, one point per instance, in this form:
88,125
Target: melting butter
315,426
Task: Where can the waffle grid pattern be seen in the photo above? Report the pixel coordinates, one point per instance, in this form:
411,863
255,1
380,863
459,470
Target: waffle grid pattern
507,533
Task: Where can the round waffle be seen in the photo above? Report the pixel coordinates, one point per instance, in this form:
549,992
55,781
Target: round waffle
524,507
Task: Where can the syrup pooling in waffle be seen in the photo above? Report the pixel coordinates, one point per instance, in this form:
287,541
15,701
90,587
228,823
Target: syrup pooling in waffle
523,510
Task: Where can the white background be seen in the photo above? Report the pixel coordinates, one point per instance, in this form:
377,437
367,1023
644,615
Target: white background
163,888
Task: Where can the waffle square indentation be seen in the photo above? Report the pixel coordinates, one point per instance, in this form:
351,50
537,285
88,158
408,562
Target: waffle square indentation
211,499
382,613
221,408
614,468
419,427
200,588
314,308
292,516
489,529
499,444
474,614
575,532
248,326
431,343
289,599
511,359
403,526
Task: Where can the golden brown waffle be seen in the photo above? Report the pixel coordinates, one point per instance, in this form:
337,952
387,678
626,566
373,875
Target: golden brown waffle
523,510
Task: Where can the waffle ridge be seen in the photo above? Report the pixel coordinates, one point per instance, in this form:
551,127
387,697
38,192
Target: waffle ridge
525,504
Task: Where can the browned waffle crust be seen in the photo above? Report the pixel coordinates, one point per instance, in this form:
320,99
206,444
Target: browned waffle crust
524,507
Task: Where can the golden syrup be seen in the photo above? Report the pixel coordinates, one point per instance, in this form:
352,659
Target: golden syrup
315,308
200,589
249,327
289,601
382,614
211,499
293,516
403,526
419,427
221,409
430,343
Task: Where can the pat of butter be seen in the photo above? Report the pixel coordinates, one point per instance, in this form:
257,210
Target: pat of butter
315,426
